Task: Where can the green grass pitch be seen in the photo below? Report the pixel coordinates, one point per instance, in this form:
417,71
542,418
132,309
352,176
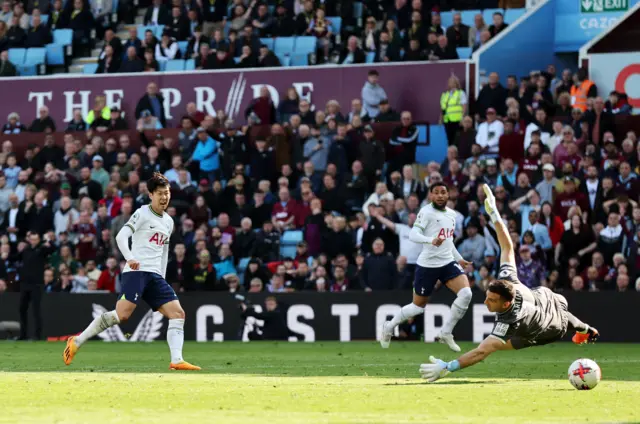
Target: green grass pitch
289,383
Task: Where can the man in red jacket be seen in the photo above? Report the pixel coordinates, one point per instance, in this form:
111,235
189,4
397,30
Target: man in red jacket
107,280
283,214
568,198
111,201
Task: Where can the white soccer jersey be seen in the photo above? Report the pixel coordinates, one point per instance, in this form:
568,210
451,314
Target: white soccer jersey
151,232
437,224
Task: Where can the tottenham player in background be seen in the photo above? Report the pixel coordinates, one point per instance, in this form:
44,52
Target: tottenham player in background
439,261
524,317
143,277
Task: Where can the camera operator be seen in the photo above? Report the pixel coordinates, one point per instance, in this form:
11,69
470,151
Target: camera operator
275,324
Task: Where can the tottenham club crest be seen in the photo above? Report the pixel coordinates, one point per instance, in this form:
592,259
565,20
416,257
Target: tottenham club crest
147,330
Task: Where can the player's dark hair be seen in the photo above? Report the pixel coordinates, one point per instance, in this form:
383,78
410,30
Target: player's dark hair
502,288
438,184
157,181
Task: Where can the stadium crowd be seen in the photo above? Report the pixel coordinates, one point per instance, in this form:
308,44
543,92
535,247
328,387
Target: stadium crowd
221,34
566,186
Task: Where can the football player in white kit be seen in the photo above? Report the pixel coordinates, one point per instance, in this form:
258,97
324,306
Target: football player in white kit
150,228
439,261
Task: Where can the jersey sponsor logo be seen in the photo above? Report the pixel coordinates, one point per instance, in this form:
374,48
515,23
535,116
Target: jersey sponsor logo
147,330
159,239
500,329
445,233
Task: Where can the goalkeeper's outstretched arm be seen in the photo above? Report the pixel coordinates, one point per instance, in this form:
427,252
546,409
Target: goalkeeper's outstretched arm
507,254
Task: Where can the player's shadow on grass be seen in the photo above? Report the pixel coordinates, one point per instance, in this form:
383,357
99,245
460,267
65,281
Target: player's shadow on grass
456,382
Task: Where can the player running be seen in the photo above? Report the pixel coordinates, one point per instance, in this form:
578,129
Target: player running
439,260
143,277
524,317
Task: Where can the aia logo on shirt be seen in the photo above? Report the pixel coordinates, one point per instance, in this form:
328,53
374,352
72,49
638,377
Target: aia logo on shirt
158,239
445,233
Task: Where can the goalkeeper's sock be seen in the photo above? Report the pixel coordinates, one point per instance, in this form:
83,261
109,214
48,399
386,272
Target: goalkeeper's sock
577,325
406,312
97,326
175,338
458,309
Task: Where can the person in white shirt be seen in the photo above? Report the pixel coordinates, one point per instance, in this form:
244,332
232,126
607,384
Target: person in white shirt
541,116
143,277
489,133
408,248
167,48
381,193
440,261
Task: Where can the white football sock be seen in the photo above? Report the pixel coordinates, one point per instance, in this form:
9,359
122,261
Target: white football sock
97,326
175,338
406,312
458,309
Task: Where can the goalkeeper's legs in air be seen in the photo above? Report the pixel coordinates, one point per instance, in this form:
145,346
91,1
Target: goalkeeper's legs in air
584,333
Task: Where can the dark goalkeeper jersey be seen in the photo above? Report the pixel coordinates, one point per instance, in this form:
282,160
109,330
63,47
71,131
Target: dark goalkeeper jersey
536,317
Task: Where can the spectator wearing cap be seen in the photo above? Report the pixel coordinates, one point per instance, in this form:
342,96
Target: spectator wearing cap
206,153
458,33
530,271
116,122
493,95
132,62
489,133
148,122
386,113
372,94
152,101
98,173
43,123
473,246
546,187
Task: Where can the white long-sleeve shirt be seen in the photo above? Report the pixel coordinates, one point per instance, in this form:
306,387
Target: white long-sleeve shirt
488,136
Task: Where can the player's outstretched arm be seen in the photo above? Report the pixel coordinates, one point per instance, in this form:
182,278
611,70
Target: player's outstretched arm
438,368
507,254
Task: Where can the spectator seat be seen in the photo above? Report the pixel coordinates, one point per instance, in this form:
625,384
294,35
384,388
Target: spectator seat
284,59
269,42
284,45
299,60
64,37
468,17
176,65
437,133
54,54
464,52
422,134
16,56
162,65
243,264
156,29
371,57
305,45
288,251
358,9
35,56
512,15
236,60
27,70
336,24
182,46
43,20
487,14
90,68
447,19
291,238
189,64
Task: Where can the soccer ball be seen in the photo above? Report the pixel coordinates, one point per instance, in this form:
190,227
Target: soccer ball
584,374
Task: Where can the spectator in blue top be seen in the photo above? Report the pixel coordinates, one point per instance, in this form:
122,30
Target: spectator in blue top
206,153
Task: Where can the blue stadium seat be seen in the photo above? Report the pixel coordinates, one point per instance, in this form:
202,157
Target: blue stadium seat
291,237
236,60
90,68
437,134
358,9
159,29
371,57
284,45
189,64
55,54
227,28
243,264
422,134
114,6
284,59
64,37
305,45
512,15
269,42
43,20
464,52
182,46
16,56
288,251
299,60
487,14
447,18
162,65
35,56
336,24
468,16
176,65
422,155
156,29
27,70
